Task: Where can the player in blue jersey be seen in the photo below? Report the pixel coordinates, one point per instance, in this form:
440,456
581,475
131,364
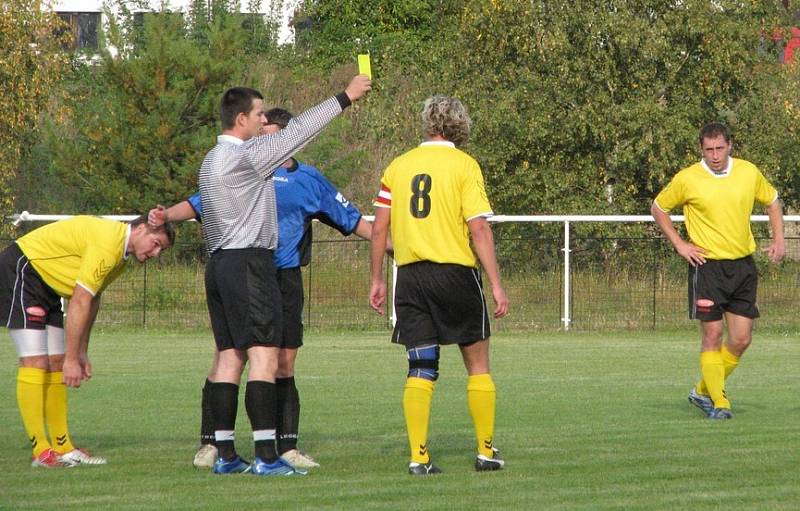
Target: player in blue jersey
302,194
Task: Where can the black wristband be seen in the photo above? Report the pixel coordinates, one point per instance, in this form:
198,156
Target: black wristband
344,100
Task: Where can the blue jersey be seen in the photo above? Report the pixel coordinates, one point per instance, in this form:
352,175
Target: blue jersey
302,194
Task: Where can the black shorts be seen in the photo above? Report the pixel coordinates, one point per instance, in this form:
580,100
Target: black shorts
290,282
21,287
244,301
439,304
723,286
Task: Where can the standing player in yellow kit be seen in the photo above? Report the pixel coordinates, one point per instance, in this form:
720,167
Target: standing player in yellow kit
433,198
717,195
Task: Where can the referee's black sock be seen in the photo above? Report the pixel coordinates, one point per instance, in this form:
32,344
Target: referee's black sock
288,419
224,399
206,416
260,399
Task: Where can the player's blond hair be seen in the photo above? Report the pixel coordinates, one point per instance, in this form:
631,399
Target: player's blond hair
446,116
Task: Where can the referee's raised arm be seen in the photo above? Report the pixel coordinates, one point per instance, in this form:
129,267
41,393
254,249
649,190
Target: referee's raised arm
267,152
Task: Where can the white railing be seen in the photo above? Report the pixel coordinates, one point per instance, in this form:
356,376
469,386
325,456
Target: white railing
567,220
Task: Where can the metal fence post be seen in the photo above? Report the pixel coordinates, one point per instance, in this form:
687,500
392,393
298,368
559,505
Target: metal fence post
654,251
567,302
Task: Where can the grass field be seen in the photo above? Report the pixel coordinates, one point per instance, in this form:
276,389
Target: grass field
585,421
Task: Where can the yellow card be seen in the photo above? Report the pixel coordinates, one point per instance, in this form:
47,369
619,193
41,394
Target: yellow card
364,67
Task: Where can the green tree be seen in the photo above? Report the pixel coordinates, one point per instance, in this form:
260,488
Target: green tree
142,117
32,63
591,107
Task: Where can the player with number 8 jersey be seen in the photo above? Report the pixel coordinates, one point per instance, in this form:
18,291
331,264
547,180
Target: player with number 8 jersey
433,191
434,200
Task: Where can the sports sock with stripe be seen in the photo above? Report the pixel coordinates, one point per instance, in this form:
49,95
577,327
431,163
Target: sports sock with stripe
417,397
224,405
261,402
30,400
288,417
206,416
729,361
713,371
481,398
55,412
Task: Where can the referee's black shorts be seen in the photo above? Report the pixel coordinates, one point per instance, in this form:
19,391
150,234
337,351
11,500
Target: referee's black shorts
719,286
439,304
244,301
21,287
290,282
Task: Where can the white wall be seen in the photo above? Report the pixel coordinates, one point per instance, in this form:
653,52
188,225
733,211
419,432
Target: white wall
287,8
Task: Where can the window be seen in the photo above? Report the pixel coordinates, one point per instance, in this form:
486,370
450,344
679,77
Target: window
83,26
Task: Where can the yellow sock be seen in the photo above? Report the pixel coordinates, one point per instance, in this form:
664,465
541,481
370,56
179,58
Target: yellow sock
55,412
481,397
417,409
729,360
713,372
30,399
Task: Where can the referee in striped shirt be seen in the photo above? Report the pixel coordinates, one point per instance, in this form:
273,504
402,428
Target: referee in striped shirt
241,230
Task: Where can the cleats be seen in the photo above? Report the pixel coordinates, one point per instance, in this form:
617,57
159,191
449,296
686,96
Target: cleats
81,457
205,457
720,414
702,402
299,459
49,459
423,469
278,467
484,463
235,466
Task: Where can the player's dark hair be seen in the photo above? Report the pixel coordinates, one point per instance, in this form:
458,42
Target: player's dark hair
278,116
713,130
235,101
167,228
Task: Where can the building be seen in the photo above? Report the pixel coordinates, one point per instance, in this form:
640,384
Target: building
85,17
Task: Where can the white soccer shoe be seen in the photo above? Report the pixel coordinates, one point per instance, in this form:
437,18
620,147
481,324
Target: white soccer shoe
299,459
205,456
80,457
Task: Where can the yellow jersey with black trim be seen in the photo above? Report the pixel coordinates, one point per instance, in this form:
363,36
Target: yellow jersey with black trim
433,191
717,207
85,251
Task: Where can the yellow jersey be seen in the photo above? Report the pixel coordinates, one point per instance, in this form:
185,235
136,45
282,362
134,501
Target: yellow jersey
433,191
717,207
84,250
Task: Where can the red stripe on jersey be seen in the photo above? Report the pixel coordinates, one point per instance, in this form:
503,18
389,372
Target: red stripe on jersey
384,196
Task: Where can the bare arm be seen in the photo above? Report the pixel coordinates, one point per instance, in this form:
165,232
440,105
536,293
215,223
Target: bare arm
483,240
694,254
777,249
268,152
363,229
380,232
80,317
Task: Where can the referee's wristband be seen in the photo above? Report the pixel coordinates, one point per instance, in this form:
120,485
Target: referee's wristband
344,100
